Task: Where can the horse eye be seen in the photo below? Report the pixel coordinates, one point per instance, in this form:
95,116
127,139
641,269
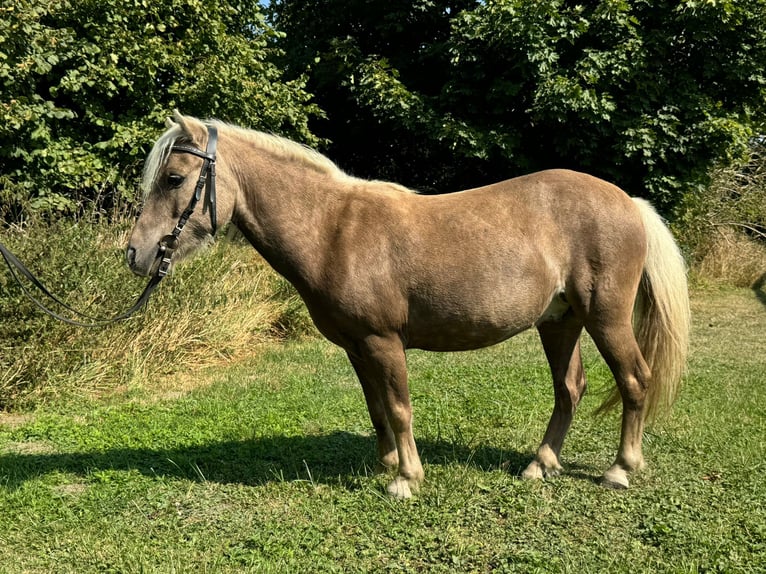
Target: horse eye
175,180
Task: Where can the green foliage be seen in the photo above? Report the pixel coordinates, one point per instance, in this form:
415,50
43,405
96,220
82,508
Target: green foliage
85,87
376,69
436,95
650,95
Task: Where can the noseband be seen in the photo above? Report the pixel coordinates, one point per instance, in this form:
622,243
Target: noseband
169,243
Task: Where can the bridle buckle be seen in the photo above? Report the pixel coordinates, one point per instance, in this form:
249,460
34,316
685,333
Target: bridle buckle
168,245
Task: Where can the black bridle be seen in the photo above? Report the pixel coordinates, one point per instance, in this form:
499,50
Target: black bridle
167,245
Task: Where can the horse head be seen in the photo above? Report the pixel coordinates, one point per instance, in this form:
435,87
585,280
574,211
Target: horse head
179,174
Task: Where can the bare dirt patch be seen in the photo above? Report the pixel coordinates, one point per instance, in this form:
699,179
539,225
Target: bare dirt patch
14,420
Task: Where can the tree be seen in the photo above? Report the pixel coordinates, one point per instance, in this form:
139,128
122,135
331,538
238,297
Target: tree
649,95
377,69
85,86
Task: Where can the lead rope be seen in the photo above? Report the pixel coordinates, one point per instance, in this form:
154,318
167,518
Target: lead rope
167,245
14,265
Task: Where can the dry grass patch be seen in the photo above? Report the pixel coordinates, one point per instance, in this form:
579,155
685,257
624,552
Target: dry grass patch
730,256
213,310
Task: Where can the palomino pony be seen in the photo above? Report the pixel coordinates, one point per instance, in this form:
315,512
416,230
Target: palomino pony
382,269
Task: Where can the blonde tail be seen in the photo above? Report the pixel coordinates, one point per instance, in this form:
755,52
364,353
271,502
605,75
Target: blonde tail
661,316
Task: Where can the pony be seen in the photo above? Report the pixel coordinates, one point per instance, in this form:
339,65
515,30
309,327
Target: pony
382,269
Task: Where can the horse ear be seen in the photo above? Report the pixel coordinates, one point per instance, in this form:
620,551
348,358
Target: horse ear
192,127
177,118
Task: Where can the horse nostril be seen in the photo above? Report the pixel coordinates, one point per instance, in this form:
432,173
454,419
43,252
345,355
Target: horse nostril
130,256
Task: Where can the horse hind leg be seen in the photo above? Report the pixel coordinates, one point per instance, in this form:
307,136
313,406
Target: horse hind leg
617,344
561,342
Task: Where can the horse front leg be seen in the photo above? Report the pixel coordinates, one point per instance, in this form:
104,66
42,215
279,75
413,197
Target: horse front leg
388,457
561,342
383,367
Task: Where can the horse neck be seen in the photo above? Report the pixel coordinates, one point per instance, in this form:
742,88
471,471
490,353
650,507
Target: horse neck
286,210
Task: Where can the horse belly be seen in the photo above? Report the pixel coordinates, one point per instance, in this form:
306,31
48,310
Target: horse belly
466,327
456,337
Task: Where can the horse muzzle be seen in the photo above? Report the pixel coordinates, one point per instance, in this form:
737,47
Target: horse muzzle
159,264
135,263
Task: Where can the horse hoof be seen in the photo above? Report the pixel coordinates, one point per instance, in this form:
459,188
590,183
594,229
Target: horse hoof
537,471
551,472
399,488
615,478
533,472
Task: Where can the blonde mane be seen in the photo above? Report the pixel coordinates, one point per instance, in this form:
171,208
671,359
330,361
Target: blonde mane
284,148
158,156
279,146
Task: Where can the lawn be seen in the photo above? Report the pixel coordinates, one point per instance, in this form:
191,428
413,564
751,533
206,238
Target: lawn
263,465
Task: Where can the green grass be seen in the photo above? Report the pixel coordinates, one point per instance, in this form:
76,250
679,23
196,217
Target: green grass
263,465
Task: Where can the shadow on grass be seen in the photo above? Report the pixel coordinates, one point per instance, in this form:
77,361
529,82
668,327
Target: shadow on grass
335,458
759,288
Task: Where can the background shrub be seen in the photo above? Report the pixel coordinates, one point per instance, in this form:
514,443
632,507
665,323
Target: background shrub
449,95
85,87
723,227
